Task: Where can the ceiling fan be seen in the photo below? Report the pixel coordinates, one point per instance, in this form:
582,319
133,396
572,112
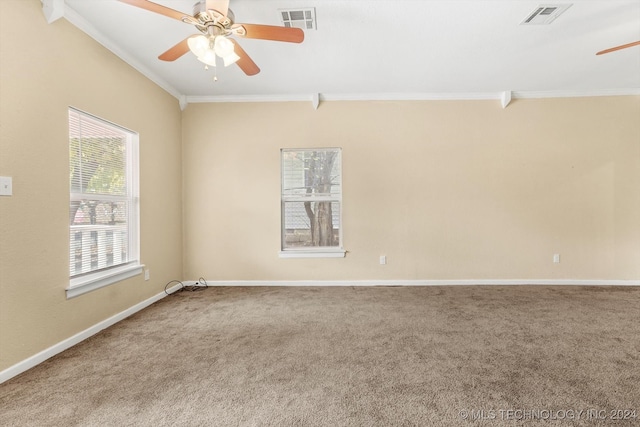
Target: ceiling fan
216,23
613,49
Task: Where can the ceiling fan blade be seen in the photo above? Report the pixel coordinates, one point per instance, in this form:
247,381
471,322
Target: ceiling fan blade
613,49
157,8
176,51
270,32
245,63
221,6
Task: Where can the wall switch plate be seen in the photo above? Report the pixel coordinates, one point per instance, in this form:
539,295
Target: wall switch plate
383,259
556,258
6,186
146,274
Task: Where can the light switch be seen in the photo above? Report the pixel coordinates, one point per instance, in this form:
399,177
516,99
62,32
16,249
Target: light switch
6,186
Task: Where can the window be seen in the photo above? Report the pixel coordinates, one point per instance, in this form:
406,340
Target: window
103,203
311,203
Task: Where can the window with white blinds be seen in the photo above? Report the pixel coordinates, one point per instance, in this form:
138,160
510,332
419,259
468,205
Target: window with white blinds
311,202
103,202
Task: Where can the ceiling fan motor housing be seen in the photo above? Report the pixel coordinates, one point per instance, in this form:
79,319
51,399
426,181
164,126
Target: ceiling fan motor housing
212,18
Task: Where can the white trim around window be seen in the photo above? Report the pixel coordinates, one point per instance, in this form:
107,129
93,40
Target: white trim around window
91,282
317,253
104,211
311,203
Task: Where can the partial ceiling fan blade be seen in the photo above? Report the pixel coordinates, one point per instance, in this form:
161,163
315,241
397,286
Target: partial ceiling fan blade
176,51
221,6
157,8
270,32
613,49
245,63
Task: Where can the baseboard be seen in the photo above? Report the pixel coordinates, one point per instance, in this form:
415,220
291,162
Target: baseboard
38,358
463,282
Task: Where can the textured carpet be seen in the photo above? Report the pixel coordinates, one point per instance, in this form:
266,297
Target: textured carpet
335,356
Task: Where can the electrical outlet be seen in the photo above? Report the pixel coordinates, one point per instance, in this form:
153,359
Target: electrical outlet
383,259
556,258
146,274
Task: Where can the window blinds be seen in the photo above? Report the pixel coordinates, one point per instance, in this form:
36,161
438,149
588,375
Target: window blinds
101,194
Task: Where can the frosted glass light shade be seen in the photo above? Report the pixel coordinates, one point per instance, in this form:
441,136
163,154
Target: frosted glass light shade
226,50
232,58
198,45
223,46
209,57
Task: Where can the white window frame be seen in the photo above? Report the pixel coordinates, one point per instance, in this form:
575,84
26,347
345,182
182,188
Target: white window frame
310,251
88,282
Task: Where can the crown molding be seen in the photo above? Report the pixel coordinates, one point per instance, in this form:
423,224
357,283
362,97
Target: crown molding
408,96
345,97
576,93
74,18
251,98
461,96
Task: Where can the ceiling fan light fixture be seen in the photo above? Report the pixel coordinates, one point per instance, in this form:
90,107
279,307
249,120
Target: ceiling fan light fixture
206,49
198,45
232,58
224,48
214,19
209,57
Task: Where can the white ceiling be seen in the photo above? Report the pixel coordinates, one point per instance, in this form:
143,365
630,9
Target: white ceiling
379,49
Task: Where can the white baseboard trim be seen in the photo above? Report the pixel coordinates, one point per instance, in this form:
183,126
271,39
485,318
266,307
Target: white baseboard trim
38,358
461,282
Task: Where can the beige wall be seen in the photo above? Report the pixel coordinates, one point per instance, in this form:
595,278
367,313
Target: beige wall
445,189
43,70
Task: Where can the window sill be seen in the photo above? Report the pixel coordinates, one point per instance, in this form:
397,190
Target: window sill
91,282
335,253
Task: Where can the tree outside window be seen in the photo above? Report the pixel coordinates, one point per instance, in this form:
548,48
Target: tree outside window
311,199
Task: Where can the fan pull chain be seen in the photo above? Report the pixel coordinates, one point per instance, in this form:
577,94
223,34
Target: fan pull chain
215,72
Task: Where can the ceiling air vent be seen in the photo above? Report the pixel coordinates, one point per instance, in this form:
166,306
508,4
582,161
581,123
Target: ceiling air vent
299,18
545,14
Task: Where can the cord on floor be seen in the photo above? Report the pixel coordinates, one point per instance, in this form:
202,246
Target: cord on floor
198,286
